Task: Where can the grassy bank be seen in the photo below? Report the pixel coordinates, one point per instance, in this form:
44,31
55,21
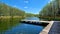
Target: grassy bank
51,18
11,16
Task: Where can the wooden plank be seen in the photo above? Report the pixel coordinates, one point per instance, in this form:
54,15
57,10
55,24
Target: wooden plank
55,29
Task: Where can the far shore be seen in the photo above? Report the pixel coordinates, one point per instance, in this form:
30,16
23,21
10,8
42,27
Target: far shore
11,16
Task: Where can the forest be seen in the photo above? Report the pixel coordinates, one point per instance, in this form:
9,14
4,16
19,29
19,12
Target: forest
51,10
8,11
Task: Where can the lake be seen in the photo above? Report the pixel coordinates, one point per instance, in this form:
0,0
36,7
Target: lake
23,28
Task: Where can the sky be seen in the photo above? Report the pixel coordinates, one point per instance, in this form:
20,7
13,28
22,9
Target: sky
29,6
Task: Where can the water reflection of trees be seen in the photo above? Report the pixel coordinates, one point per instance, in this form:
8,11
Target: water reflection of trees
9,16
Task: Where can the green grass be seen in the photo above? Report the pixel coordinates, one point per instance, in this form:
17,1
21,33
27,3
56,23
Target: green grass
50,18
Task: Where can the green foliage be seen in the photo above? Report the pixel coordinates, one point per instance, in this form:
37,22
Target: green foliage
52,9
6,10
30,15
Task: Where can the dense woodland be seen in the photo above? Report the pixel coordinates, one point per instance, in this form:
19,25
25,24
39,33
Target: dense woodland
52,9
6,10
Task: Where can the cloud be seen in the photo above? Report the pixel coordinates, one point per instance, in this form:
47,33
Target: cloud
14,5
26,1
25,7
51,0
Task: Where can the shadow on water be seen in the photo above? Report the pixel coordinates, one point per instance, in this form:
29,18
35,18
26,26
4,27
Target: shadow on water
35,23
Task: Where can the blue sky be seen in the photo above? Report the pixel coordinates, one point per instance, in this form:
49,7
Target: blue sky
29,6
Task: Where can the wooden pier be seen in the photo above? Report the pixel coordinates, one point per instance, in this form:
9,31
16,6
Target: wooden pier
47,28
35,22
48,25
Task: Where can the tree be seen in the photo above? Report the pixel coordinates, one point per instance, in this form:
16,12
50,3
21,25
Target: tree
51,9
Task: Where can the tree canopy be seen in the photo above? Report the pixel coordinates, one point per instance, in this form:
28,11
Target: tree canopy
51,9
6,10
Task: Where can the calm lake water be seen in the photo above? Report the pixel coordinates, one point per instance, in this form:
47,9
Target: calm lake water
23,28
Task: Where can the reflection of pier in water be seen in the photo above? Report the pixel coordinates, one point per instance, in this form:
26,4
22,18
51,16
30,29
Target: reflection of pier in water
35,22
48,25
